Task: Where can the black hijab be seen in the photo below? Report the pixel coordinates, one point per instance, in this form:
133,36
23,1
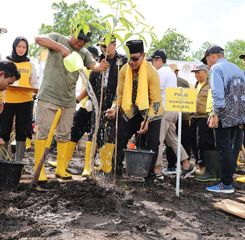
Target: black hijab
14,56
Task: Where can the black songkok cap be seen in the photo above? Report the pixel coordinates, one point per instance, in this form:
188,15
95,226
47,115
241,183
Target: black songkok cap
135,46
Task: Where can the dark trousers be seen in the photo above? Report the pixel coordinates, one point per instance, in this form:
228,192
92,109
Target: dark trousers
225,142
81,124
238,141
202,139
185,141
23,117
126,129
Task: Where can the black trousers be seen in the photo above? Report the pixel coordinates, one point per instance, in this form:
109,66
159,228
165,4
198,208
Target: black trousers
81,124
126,129
202,139
106,131
23,118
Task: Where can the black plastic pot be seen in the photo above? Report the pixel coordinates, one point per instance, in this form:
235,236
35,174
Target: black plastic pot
10,173
138,162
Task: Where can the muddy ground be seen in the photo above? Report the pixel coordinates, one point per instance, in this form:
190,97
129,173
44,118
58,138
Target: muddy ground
99,210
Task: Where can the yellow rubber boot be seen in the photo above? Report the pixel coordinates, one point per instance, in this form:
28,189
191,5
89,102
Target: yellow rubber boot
70,151
87,163
38,154
28,144
240,179
106,157
102,153
60,171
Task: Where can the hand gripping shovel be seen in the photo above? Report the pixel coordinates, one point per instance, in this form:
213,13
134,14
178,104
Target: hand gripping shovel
47,147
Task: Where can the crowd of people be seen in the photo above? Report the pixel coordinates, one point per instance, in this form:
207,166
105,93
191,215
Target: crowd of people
134,90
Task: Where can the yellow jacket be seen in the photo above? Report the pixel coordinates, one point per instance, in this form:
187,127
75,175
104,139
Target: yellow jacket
155,110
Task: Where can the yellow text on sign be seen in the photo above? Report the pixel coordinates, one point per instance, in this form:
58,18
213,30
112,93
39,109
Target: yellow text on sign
181,99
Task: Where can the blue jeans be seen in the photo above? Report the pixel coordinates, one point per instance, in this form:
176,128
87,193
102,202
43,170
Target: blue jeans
225,142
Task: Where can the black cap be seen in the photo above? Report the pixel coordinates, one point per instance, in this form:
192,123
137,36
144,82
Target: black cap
159,54
83,36
242,56
10,69
135,46
93,50
212,50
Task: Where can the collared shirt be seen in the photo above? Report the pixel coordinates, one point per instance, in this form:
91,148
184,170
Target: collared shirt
228,91
168,79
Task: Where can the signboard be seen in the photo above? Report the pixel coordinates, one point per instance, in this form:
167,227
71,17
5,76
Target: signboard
181,99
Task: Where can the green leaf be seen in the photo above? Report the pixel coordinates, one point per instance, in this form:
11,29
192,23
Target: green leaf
117,36
107,16
127,36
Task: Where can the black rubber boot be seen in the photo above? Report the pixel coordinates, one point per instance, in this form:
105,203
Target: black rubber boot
212,172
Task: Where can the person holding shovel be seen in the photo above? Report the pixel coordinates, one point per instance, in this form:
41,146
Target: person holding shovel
140,104
19,102
58,91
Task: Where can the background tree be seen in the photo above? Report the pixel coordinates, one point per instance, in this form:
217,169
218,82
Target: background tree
175,44
233,50
198,55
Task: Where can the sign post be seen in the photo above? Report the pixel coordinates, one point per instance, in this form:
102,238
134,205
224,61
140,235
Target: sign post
180,100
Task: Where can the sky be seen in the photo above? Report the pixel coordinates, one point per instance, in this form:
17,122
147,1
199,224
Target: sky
215,21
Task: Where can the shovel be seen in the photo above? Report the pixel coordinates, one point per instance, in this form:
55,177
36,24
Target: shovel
47,147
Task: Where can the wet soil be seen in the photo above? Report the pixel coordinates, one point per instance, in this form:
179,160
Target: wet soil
100,210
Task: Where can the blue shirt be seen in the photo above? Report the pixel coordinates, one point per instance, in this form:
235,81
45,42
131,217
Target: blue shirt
228,91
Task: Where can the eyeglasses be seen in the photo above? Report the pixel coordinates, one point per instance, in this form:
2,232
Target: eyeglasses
135,59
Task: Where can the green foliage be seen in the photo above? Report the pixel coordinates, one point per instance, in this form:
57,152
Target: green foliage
198,55
174,44
65,18
233,50
34,51
125,21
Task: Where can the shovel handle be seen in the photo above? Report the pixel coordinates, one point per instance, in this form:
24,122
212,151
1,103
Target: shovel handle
47,146
52,129
138,138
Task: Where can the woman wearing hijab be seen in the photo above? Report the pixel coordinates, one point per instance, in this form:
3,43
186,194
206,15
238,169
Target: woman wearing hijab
19,104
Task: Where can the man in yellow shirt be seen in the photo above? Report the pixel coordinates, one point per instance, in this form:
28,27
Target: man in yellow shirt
140,104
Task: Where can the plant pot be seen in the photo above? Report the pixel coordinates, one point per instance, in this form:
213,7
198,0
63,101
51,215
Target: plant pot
10,173
138,162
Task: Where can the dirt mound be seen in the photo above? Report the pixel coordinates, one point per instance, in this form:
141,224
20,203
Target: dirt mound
131,209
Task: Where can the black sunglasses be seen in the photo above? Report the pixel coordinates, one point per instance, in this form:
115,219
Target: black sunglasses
135,59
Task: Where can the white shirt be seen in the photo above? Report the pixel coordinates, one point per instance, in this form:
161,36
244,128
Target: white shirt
167,79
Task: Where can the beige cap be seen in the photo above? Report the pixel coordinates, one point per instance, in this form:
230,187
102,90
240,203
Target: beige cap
174,67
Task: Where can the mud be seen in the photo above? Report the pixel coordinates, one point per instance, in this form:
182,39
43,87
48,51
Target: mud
99,210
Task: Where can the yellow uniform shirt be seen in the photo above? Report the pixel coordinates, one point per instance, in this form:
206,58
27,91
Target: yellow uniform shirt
15,96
